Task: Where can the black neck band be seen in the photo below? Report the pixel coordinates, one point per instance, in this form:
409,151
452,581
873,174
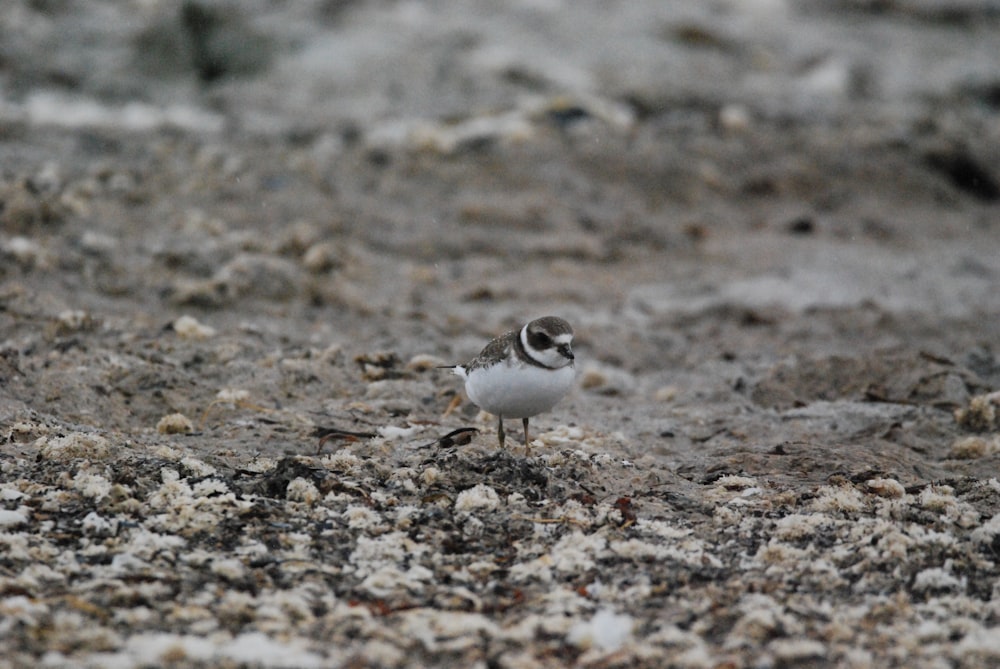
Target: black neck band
525,355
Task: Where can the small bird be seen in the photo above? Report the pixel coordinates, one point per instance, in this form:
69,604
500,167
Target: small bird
522,373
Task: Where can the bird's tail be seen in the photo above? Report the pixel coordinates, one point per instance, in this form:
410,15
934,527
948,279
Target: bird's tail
458,370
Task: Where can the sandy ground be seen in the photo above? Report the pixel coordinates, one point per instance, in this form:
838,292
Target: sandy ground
226,228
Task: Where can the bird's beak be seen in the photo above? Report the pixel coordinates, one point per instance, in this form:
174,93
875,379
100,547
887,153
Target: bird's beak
566,352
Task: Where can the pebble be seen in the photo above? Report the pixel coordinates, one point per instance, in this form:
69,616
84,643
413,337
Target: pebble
74,445
188,327
605,379
26,252
175,423
981,415
322,257
260,276
970,448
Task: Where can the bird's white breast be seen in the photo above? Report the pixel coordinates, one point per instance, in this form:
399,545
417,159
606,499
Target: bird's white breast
518,390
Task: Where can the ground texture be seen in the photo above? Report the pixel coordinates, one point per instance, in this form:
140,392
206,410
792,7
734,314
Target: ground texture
238,238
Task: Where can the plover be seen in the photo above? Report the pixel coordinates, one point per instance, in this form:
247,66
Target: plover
522,373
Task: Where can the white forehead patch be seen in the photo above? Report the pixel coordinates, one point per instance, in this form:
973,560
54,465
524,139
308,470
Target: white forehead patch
563,339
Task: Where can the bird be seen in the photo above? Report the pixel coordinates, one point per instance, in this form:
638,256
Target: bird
522,373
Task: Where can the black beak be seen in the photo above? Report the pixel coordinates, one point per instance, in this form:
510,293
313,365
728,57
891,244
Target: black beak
565,351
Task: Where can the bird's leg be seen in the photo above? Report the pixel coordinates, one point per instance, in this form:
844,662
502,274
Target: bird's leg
500,434
527,446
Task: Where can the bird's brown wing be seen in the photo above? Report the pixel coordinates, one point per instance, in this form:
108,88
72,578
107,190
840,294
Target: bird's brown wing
496,349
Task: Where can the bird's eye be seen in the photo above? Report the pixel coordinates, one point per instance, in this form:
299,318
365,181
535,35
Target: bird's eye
539,340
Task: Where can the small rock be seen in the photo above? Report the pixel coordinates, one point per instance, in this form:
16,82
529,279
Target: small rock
27,207
300,236
26,252
12,518
886,487
606,380
98,244
981,414
803,225
791,652
970,448
322,257
72,446
301,490
232,395
70,321
480,496
331,353
261,276
423,362
187,327
378,365
175,423
735,118
607,631
666,393
96,525
198,293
